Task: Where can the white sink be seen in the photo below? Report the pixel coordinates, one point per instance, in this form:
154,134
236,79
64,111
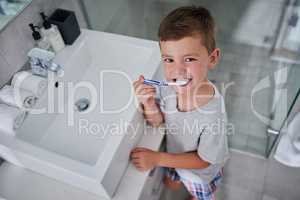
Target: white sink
71,146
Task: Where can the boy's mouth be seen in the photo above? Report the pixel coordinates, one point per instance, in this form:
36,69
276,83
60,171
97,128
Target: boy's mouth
186,81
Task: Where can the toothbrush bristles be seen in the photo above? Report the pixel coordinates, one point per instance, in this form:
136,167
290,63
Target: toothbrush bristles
181,82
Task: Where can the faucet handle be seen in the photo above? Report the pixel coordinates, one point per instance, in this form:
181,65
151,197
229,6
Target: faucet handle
41,54
40,61
55,67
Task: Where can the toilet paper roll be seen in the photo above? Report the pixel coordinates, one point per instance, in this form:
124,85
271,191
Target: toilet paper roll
11,118
17,97
27,81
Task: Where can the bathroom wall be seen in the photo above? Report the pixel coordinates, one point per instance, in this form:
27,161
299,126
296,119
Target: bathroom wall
16,40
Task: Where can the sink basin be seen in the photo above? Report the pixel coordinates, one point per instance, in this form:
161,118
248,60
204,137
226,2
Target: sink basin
82,130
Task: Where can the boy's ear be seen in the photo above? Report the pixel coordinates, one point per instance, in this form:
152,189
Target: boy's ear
214,58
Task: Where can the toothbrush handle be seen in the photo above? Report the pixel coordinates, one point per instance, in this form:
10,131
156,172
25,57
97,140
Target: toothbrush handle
152,82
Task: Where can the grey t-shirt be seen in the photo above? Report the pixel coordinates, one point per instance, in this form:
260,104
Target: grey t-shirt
202,130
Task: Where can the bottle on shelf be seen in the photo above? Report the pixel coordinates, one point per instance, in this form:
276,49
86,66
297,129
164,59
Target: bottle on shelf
40,41
52,34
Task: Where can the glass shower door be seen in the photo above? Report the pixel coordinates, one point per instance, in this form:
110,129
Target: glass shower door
285,109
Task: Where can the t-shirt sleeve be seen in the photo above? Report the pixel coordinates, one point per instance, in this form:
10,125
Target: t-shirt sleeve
213,146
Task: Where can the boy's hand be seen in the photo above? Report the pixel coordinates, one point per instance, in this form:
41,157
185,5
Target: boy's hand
145,93
144,159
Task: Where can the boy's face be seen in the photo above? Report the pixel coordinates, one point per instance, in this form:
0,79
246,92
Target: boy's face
187,58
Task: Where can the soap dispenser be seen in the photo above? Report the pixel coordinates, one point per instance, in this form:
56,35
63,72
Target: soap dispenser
40,41
52,34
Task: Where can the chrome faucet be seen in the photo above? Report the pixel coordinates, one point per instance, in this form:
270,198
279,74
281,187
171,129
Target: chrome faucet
41,61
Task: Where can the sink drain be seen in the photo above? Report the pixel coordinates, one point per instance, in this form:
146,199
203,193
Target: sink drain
82,104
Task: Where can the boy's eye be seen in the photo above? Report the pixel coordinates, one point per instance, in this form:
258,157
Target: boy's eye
168,60
189,59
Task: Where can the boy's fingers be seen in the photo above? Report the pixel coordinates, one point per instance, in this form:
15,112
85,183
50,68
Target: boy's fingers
151,94
147,91
135,156
136,163
140,149
133,153
141,78
137,149
135,83
141,87
135,159
148,86
138,82
144,86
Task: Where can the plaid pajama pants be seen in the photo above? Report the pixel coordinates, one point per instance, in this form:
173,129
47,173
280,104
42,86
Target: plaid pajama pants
201,191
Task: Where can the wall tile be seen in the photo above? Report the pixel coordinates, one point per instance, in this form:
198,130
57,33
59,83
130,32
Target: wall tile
257,145
5,70
12,48
257,129
238,141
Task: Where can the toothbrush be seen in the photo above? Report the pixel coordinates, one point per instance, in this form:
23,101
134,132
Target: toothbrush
166,83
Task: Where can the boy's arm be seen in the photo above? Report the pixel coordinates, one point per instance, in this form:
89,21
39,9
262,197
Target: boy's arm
146,96
190,160
145,159
152,114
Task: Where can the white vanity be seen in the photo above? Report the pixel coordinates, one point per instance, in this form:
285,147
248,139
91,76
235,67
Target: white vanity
89,148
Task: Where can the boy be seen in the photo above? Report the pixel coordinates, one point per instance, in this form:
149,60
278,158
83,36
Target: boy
194,114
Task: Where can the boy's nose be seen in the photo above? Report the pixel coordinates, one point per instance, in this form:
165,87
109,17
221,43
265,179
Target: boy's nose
180,70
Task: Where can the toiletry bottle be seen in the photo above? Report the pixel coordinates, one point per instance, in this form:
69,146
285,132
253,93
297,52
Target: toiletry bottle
40,41
52,34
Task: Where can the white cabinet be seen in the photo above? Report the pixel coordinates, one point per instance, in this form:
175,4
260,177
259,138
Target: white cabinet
154,185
